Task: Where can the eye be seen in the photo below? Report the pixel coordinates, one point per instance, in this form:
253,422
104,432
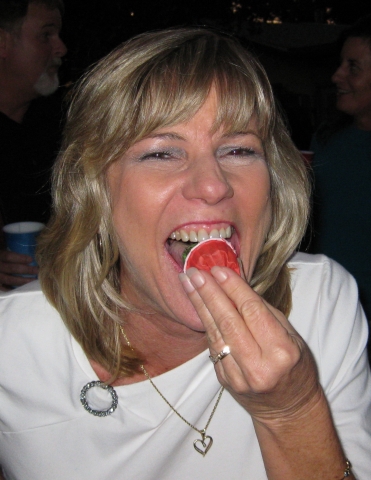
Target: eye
45,36
241,152
240,155
157,155
353,68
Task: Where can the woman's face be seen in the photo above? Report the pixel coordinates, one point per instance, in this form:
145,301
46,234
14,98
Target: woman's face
353,80
185,181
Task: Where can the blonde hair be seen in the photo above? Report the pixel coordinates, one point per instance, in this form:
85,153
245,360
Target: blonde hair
155,80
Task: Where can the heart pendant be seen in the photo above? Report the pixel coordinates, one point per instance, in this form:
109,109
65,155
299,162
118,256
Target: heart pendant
205,445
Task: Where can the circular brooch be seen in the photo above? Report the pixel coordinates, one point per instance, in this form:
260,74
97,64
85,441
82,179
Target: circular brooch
110,390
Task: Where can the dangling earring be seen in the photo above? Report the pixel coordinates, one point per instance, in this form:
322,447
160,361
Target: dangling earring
99,246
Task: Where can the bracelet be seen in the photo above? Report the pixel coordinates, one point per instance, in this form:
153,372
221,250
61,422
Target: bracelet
347,471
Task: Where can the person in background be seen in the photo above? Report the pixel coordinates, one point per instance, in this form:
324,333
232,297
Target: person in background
342,165
138,369
30,56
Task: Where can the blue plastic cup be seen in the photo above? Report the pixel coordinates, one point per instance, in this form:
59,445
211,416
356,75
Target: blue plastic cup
21,237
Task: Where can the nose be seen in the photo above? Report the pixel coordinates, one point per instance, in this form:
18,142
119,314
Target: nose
207,182
339,74
60,48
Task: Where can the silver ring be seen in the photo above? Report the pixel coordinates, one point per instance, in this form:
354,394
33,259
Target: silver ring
215,358
99,413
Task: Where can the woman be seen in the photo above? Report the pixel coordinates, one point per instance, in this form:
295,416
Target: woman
342,164
175,136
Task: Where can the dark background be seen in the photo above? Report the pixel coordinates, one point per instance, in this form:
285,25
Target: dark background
92,28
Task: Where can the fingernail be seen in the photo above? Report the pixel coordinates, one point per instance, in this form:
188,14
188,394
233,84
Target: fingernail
186,283
196,277
219,274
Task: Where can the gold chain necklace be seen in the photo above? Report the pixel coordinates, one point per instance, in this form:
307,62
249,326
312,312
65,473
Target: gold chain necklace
202,445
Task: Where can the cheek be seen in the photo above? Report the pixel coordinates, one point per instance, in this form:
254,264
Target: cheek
128,208
257,197
255,211
362,87
138,205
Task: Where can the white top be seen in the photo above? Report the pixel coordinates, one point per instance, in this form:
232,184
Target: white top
45,433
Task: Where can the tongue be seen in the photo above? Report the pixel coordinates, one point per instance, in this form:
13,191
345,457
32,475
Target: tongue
212,252
176,250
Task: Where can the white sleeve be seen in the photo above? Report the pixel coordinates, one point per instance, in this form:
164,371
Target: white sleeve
337,334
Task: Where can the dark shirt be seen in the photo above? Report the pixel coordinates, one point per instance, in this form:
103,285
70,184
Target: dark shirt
342,204
27,153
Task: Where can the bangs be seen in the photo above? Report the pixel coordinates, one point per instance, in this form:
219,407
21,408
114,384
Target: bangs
174,85
162,79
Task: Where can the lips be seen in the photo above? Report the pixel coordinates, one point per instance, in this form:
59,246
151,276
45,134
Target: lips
342,92
342,89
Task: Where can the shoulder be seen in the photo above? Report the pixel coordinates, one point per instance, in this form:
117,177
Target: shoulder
318,271
321,284
327,313
341,140
27,299
27,318
40,374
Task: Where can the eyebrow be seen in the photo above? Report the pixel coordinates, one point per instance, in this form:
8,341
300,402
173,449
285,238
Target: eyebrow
176,136
51,25
241,134
168,135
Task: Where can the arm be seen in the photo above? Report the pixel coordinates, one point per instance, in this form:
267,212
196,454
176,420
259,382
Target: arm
272,374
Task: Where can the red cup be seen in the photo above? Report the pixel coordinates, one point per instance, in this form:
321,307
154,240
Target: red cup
307,155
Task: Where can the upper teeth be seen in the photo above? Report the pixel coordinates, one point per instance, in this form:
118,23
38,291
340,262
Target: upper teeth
202,234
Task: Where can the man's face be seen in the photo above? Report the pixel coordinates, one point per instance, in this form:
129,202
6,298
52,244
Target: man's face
35,52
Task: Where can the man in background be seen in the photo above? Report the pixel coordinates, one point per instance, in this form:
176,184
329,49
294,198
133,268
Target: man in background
30,56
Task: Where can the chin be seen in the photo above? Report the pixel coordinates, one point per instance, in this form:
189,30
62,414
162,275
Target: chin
46,85
186,315
344,106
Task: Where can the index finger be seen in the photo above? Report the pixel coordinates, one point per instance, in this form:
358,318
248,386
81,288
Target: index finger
247,300
221,319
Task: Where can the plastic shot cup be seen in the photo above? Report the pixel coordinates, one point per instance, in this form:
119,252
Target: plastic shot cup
21,237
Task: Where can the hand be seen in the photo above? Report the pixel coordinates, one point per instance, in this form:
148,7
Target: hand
270,370
12,264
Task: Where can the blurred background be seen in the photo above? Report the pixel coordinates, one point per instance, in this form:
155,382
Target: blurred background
295,40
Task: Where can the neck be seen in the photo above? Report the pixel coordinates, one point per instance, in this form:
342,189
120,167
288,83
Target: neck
15,109
162,344
14,103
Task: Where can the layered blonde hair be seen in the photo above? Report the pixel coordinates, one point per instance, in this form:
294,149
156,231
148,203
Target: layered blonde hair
152,81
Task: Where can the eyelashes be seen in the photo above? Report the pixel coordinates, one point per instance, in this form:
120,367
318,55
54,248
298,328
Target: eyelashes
225,152
157,155
241,151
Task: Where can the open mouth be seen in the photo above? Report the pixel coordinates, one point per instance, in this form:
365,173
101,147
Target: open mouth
181,242
340,91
